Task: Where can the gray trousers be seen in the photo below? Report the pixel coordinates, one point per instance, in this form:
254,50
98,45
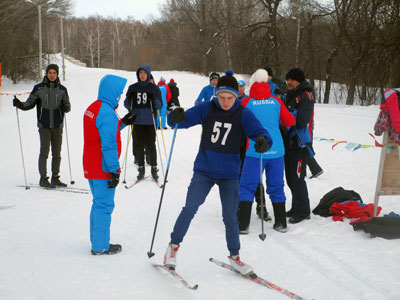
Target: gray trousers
53,137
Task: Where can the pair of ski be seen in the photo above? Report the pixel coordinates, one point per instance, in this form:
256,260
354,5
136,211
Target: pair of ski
252,276
69,189
141,180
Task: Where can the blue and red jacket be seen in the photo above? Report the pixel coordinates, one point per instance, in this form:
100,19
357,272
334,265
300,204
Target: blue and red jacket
271,112
221,139
101,131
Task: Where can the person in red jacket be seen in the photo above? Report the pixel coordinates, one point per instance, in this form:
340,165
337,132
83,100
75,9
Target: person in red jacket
101,150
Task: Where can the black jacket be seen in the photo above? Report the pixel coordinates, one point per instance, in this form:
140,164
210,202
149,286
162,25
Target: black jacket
48,97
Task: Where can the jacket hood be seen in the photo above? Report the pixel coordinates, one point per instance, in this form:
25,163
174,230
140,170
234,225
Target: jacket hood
260,90
147,69
110,89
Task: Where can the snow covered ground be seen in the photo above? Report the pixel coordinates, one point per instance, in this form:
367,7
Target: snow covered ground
44,237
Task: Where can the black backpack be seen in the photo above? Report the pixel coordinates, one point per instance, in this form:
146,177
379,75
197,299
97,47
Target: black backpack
338,195
385,227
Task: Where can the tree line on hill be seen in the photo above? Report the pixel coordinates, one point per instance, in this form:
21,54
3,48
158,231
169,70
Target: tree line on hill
352,42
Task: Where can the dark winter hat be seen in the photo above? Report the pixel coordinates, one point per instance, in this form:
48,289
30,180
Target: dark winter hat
269,70
214,75
52,67
296,74
228,84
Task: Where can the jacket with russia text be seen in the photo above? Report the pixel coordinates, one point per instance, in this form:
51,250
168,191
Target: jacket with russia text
270,111
101,128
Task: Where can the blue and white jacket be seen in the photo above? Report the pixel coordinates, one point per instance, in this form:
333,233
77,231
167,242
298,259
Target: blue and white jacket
206,94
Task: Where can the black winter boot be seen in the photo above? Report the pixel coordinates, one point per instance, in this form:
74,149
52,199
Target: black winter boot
113,249
244,214
141,173
154,171
55,180
44,182
280,217
260,198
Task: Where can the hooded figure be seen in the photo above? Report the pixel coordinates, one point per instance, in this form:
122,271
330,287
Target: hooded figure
101,150
144,99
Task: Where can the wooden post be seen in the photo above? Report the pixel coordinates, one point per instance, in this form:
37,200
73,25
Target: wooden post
388,181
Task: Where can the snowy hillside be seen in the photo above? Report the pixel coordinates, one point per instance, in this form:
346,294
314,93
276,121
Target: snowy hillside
44,237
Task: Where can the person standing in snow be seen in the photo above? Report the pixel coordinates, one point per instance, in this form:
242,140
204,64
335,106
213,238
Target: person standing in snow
51,100
101,151
270,111
174,94
242,87
166,97
224,121
143,99
209,90
298,143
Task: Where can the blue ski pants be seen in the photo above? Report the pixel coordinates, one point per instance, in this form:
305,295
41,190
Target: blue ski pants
100,215
198,190
250,178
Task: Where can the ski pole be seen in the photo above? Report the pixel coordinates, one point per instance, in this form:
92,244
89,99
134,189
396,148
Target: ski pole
69,159
22,152
162,134
125,160
150,253
158,144
262,235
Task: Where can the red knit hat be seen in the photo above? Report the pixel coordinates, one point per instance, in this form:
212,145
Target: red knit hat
171,80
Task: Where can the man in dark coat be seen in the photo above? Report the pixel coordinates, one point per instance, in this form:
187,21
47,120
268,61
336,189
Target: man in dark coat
300,103
51,100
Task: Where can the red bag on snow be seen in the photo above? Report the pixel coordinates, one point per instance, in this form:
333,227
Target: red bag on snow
353,210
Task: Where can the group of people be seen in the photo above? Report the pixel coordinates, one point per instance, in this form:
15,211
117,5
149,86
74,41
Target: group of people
242,136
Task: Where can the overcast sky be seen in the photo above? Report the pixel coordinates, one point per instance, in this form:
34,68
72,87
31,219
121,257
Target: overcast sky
139,9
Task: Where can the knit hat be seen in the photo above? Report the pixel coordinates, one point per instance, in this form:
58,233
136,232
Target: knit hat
162,79
214,75
52,67
239,79
171,80
296,74
260,75
269,70
228,84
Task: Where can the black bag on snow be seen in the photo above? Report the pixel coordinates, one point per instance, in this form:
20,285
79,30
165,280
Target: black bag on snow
338,195
385,227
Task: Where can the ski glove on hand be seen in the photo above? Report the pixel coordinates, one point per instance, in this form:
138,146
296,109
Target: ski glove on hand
129,118
261,144
64,108
17,103
178,115
114,180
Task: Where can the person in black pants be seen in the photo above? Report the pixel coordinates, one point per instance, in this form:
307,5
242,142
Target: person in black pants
143,100
297,139
51,100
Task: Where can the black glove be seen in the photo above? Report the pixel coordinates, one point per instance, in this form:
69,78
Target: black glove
17,103
114,180
64,108
178,115
129,118
261,144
